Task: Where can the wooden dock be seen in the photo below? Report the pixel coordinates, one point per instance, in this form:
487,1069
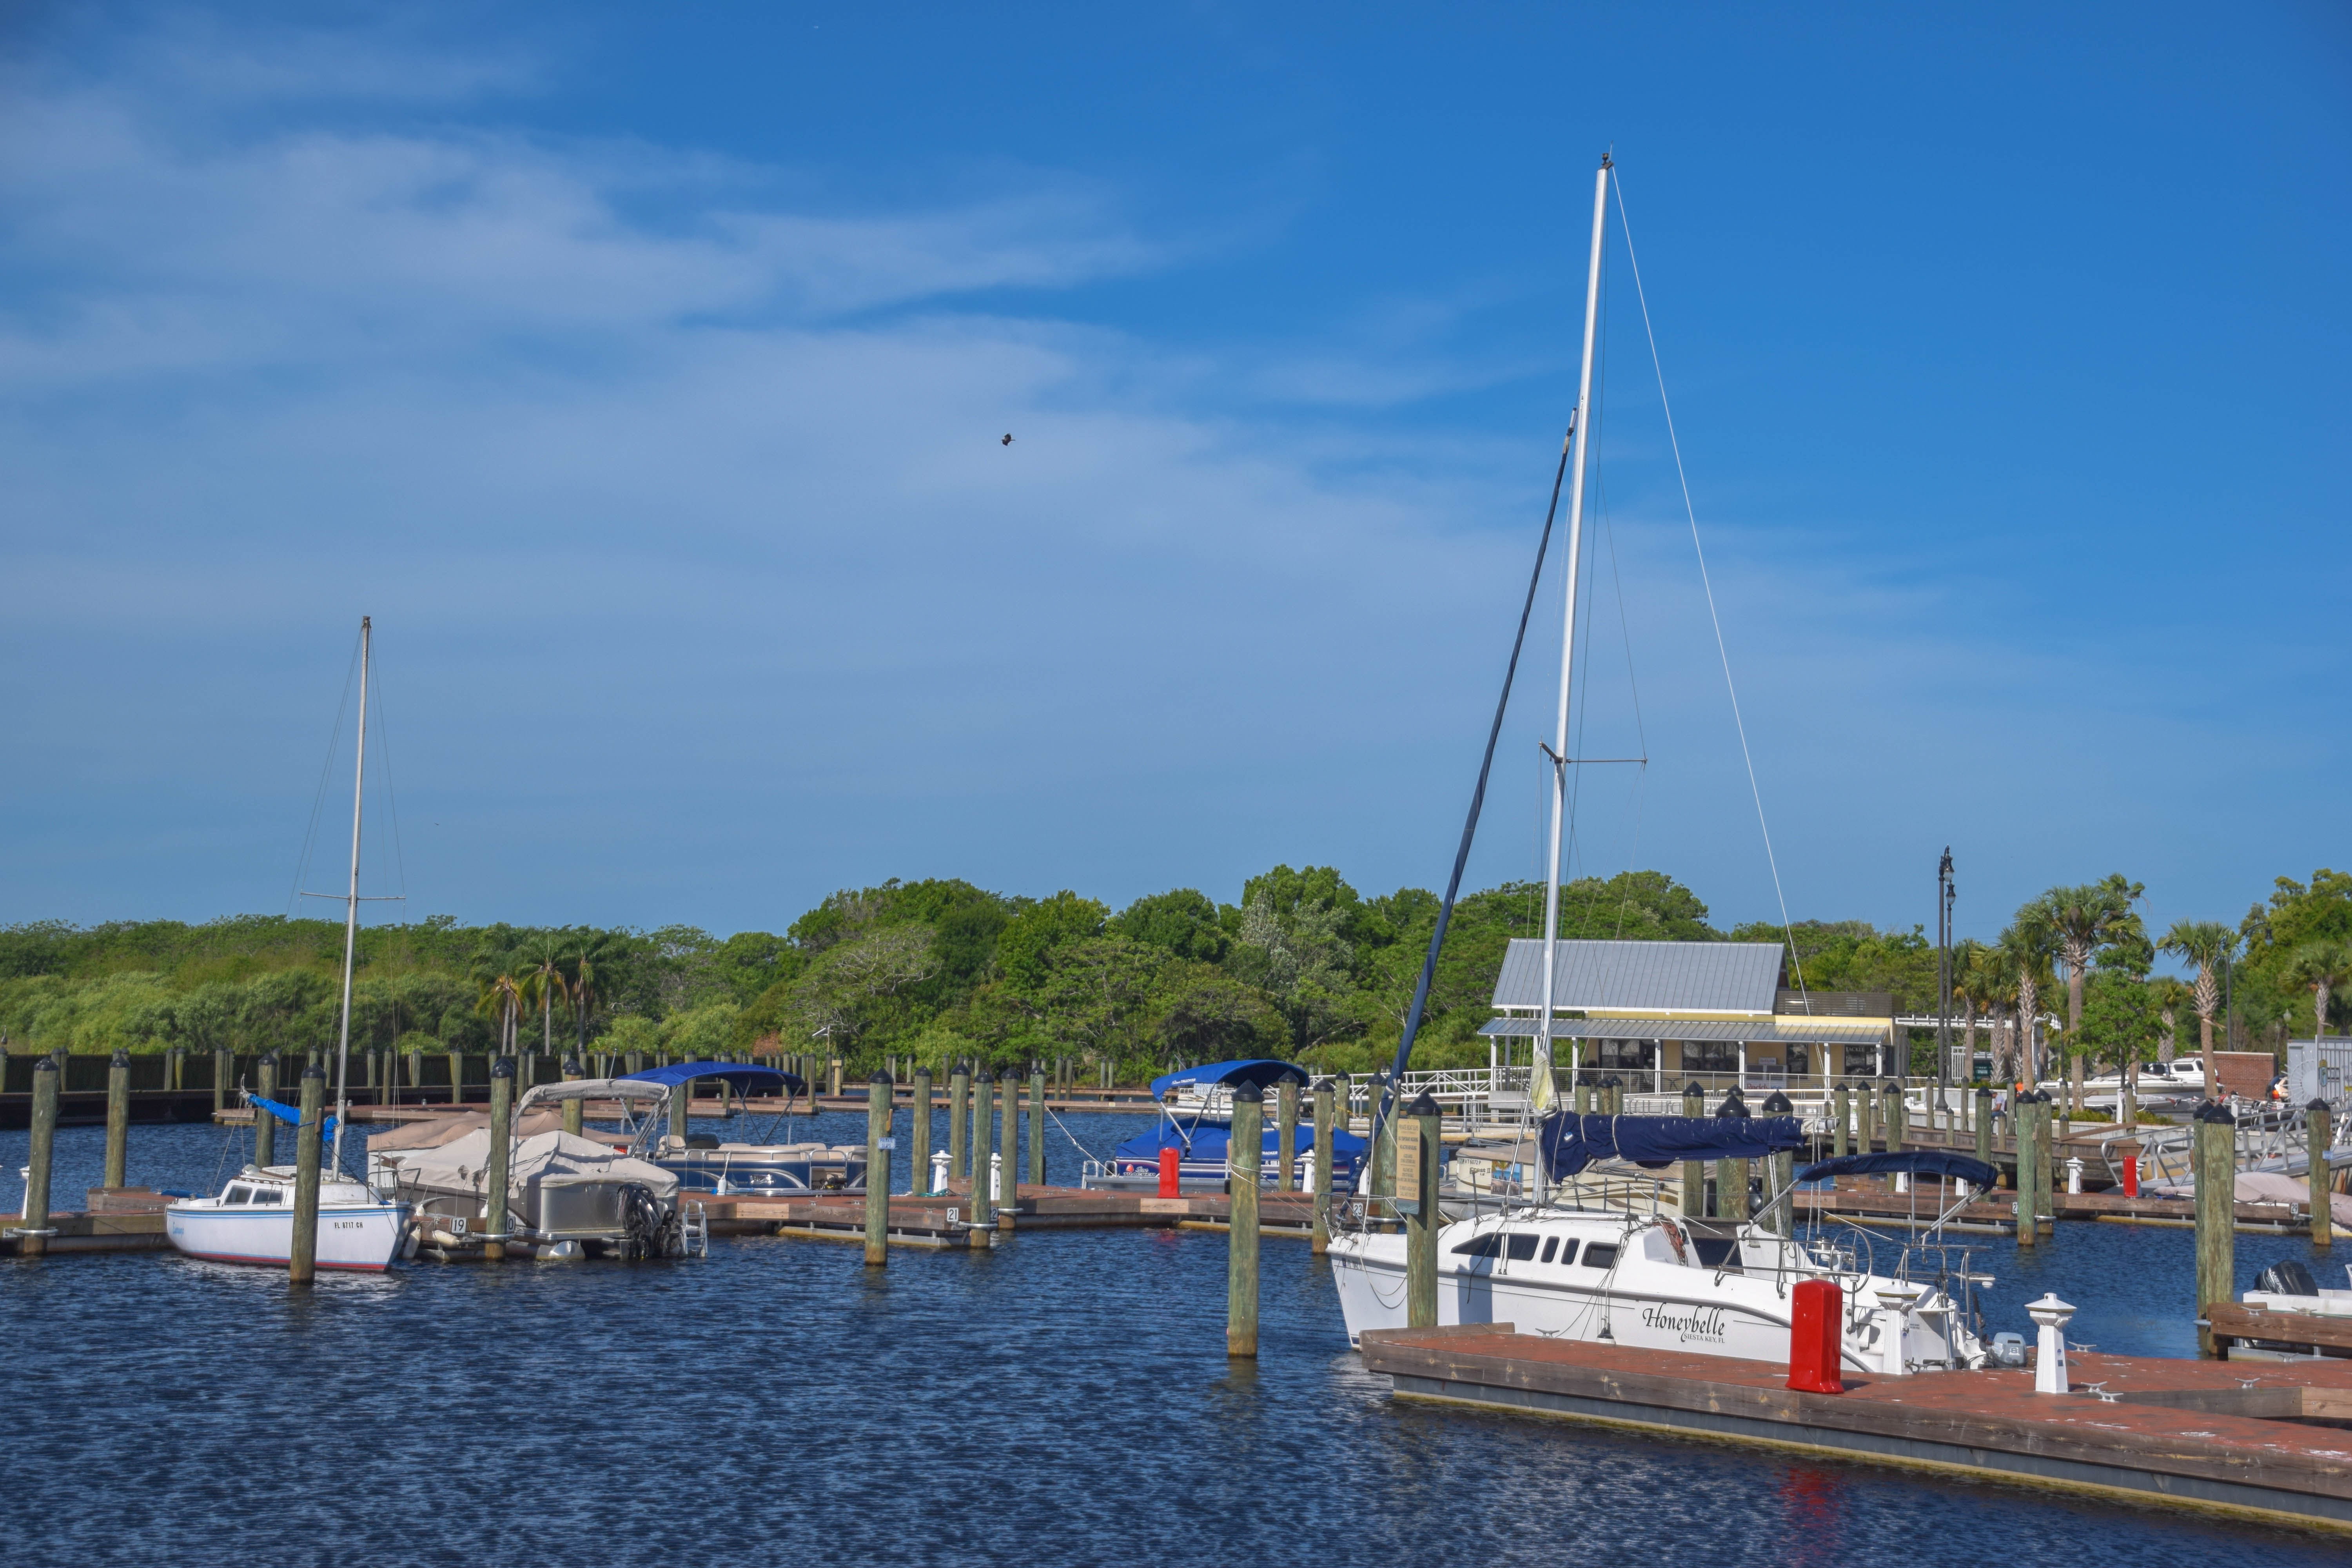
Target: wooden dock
925,1221
2226,1437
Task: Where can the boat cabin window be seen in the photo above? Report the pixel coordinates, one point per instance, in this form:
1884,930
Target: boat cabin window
1522,1246
238,1194
1552,1244
1485,1246
1716,1251
1600,1254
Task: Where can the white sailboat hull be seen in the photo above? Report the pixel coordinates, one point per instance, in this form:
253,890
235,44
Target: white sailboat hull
365,1238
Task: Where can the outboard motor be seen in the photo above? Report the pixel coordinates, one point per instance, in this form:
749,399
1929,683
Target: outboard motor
645,1226
2287,1279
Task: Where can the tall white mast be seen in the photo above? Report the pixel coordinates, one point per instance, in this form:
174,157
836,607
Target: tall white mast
1543,1086
351,906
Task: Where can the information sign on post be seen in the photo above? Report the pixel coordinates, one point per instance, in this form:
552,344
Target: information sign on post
1408,1162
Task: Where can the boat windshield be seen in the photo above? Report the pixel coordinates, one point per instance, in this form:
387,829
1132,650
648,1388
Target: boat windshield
238,1193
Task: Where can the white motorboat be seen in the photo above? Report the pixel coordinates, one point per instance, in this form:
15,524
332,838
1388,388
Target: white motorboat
1648,1280
252,1221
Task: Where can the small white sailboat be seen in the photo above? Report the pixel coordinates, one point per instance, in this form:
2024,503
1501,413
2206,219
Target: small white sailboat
252,1220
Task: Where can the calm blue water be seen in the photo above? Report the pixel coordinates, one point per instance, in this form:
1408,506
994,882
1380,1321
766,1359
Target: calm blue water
1062,1400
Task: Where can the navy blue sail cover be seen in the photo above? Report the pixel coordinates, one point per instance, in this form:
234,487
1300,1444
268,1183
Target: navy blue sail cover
292,1116
1906,1162
1262,1071
1571,1141
744,1078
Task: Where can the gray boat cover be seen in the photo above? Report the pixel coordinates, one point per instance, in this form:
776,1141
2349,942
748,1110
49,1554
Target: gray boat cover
459,1169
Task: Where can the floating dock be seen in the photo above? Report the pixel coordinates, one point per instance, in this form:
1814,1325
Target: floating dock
2269,1441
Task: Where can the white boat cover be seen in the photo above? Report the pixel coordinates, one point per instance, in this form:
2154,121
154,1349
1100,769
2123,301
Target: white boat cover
460,1166
2266,1187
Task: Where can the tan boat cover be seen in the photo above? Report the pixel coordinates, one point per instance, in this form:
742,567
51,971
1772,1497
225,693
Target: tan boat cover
432,1131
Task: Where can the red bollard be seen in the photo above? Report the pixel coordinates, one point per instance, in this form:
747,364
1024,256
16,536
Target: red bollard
1168,1158
1815,1337
2131,1175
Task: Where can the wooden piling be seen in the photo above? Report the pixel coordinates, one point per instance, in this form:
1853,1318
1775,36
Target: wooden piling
2319,1133
224,1070
1731,1176
919,1135
1285,1142
2045,1166
456,1060
302,1255
1694,1171
1008,1167
833,1078
1865,1112
959,1120
1842,1145
575,1111
1037,1127
1779,1174
1418,1149
983,1204
265,1126
1896,1116
2021,1118
1984,1124
1243,1150
498,1173
33,1233
2215,1150
681,1100
1319,1174
879,1094
118,1116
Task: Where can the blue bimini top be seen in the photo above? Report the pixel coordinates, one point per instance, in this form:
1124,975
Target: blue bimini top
1262,1071
744,1078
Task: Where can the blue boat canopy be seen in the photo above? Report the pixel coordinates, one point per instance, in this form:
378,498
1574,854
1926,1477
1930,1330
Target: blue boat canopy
1211,1140
744,1078
1906,1162
1571,1141
1265,1072
292,1116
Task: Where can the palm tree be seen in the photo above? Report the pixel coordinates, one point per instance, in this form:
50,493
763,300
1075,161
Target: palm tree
1968,961
543,984
2025,948
2171,995
591,975
501,998
2208,944
1993,985
2323,965
2082,921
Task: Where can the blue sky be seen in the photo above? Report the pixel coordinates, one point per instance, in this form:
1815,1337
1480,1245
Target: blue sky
642,371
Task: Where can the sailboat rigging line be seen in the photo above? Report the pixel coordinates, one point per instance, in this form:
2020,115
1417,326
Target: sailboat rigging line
319,801
391,799
1691,511
1477,802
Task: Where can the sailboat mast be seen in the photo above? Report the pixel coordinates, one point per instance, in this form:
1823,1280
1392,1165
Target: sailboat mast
352,906
1542,1084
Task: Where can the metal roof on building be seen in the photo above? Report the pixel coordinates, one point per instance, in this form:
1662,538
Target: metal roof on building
1755,1032
1670,976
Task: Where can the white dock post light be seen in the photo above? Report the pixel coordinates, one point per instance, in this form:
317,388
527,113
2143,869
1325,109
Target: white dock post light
2050,1315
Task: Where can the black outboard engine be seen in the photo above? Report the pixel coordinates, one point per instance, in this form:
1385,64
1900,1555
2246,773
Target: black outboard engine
643,1224
2287,1279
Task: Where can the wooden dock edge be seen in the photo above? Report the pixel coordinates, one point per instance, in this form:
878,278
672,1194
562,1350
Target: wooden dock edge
1420,1373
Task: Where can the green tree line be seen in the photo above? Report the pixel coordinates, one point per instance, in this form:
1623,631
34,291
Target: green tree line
1302,965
